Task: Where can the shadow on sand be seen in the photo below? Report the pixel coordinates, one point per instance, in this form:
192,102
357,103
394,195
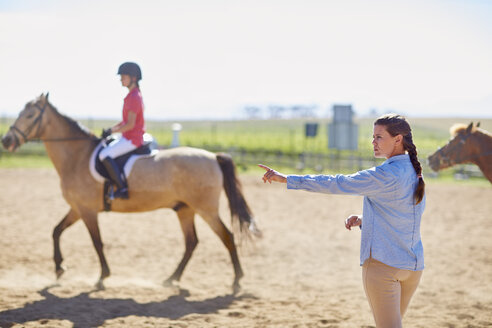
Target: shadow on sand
85,311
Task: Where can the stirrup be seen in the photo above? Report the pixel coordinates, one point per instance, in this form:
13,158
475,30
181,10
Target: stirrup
119,193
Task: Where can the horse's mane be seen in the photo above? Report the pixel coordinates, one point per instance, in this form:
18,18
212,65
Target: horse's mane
75,126
460,127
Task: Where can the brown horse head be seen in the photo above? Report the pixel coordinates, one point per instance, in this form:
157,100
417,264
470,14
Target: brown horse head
28,124
460,149
40,120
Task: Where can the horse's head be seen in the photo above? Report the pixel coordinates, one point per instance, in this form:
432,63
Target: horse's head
28,124
458,150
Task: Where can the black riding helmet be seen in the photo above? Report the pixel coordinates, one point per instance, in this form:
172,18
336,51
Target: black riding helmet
131,69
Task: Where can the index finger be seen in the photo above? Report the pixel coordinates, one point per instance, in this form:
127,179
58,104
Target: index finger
264,167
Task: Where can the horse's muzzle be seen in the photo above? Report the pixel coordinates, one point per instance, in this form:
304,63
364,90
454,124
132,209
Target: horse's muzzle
9,143
434,162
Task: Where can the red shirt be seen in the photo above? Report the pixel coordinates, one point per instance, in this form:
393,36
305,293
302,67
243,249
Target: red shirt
134,103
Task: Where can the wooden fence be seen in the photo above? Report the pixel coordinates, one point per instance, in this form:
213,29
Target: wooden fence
332,161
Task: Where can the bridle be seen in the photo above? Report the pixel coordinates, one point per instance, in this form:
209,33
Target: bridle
37,124
458,160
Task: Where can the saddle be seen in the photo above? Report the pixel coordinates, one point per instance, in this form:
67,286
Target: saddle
124,162
121,160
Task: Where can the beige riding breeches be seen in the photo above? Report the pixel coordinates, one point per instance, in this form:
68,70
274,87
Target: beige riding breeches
388,291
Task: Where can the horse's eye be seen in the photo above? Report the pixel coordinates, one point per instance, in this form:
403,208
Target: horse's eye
29,115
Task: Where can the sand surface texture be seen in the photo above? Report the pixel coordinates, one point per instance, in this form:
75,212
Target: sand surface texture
304,272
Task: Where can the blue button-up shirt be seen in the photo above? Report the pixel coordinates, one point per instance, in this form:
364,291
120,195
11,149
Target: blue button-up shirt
391,220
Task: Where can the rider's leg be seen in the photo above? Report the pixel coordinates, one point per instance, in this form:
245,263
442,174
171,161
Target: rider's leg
107,155
116,177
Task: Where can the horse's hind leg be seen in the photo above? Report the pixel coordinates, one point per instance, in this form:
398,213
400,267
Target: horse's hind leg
227,238
66,222
90,219
187,221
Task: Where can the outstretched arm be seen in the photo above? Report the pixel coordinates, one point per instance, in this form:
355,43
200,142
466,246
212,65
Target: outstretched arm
272,175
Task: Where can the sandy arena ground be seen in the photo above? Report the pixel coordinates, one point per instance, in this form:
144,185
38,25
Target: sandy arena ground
303,273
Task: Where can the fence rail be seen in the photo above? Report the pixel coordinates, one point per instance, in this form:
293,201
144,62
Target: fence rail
332,161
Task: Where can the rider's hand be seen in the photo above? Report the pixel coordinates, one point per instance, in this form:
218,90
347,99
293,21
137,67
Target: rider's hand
353,221
272,175
106,133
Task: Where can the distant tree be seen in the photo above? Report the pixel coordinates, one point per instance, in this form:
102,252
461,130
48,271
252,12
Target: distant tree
309,110
296,109
279,111
303,110
276,111
252,112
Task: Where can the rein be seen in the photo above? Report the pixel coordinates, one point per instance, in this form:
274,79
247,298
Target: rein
59,139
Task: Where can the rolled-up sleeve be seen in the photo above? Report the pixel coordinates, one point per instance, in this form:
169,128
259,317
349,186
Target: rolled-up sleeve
365,183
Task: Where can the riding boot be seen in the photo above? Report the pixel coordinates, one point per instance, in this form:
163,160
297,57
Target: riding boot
116,177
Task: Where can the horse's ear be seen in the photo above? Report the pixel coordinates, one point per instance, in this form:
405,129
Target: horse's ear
478,124
47,95
469,127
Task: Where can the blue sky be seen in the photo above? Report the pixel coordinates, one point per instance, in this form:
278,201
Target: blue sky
209,59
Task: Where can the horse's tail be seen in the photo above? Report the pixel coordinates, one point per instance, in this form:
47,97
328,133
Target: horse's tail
240,211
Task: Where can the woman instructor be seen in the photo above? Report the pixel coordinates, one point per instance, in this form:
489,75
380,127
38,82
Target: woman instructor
391,252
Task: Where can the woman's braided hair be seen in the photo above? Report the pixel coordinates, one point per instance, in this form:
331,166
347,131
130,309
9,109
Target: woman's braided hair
396,124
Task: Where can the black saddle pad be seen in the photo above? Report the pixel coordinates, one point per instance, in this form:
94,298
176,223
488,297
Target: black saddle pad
121,160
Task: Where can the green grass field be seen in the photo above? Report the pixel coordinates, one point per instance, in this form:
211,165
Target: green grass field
286,136
282,135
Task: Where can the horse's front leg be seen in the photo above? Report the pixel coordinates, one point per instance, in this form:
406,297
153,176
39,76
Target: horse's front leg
66,222
90,219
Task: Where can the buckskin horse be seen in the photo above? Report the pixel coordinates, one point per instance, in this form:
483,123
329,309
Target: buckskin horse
188,180
469,144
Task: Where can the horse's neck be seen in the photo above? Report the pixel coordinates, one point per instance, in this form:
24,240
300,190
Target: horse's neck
65,145
483,144
483,157
484,163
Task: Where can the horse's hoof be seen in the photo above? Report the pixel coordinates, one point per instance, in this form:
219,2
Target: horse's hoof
169,283
100,285
53,285
59,272
236,288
